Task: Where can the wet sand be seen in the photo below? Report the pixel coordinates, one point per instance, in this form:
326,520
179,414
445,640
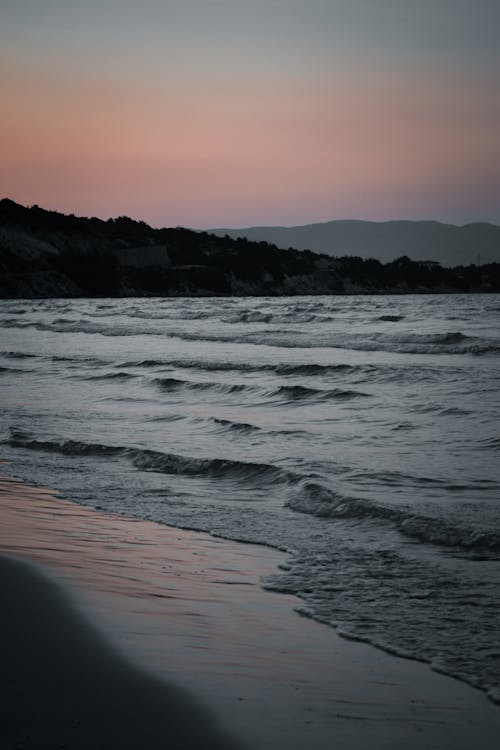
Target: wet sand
168,608
62,686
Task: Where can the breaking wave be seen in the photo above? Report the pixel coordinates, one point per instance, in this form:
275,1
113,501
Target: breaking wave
295,315
316,500
243,427
175,384
19,439
283,392
279,369
167,463
301,393
451,342
246,428
305,496
403,343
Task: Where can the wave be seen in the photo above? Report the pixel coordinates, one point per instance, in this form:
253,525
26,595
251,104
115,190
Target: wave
66,325
438,410
454,411
250,316
19,439
279,369
404,427
175,384
181,363
80,359
490,443
147,363
172,463
16,355
246,428
283,392
451,342
440,343
165,418
390,318
119,377
243,427
305,496
313,369
167,314
13,369
447,343
400,479
369,372
198,364
166,463
13,311
296,315
15,323
301,393
316,500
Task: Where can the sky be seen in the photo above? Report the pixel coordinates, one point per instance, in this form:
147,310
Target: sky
233,113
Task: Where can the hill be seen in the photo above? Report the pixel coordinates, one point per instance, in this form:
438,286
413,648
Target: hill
49,254
446,244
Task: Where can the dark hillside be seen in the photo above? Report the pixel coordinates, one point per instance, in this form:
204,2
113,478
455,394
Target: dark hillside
49,254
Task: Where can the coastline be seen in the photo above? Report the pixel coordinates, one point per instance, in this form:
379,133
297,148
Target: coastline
188,608
50,254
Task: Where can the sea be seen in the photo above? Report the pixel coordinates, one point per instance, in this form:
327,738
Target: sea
360,434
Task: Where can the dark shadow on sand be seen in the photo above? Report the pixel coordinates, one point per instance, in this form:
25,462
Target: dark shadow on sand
62,686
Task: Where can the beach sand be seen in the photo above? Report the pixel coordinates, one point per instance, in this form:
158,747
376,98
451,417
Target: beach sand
118,632
62,686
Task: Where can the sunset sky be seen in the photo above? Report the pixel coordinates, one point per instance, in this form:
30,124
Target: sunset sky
209,113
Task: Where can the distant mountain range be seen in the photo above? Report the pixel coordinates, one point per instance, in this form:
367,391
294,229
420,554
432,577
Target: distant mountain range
385,241
49,254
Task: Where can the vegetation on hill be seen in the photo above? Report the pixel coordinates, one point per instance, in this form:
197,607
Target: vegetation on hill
49,254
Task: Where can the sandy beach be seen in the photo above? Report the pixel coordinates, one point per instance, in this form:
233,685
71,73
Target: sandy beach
120,632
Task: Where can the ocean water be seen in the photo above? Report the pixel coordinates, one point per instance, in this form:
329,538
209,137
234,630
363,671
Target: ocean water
360,434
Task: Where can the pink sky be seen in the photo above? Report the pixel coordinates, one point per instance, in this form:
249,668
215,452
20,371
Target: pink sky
206,136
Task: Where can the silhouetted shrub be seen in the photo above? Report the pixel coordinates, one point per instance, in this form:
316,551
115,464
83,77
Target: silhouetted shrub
95,271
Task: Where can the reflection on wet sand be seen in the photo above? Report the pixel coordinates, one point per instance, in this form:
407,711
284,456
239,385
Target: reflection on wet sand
189,607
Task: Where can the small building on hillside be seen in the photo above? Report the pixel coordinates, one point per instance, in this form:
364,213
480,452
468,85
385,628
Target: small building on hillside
145,255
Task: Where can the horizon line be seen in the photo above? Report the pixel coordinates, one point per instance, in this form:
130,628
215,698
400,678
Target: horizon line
256,226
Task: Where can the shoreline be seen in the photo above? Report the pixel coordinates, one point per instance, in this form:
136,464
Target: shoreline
188,608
